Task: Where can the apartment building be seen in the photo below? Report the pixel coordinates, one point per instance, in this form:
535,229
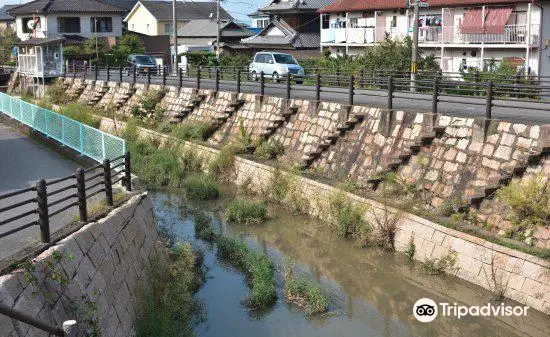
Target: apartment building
459,33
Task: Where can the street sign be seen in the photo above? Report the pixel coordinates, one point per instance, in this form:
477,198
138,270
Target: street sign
421,3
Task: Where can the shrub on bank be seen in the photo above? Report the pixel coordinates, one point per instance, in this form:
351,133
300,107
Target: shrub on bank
221,167
203,227
247,211
81,113
257,268
192,131
201,187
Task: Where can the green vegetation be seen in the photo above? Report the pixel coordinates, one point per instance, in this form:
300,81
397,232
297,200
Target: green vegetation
168,306
127,44
81,113
269,149
286,189
529,203
411,249
348,218
56,93
203,227
439,266
148,109
221,167
200,186
256,266
247,211
193,131
304,292
8,37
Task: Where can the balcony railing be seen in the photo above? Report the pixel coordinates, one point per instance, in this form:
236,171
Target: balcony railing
513,34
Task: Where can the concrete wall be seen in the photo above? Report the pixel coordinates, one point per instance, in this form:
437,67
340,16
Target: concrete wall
108,267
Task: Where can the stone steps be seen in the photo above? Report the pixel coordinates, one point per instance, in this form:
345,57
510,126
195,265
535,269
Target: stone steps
278,122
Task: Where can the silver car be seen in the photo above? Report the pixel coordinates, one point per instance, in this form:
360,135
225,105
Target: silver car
274,65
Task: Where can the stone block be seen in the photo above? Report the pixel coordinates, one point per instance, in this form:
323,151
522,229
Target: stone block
503,152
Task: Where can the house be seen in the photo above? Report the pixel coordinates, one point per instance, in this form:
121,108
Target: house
77,18
293,27
459,33
202,35
154,18
259,20
6,20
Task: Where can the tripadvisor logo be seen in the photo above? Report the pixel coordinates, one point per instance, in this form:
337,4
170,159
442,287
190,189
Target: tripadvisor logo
426,310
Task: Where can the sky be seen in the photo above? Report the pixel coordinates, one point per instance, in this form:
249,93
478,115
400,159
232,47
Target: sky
237,8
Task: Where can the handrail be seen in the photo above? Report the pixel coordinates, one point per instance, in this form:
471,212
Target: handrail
32,321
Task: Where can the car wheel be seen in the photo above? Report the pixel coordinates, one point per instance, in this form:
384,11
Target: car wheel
275,77
254,76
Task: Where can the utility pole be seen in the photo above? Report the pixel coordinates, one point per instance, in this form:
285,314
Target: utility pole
174,60
414,58
218,30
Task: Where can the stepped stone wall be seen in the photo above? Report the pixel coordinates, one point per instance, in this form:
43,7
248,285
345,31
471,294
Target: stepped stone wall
458,161
108,267
108,99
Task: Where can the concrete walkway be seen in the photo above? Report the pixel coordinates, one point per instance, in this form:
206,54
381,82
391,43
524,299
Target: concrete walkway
22,162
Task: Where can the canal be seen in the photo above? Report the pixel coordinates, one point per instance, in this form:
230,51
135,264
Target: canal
372,292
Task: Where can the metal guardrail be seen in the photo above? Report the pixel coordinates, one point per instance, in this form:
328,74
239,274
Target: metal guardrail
48,199
32,321
82,138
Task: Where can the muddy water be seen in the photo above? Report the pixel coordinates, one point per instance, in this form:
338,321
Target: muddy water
372,292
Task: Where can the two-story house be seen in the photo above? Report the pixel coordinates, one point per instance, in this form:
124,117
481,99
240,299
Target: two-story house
460,33
293,27
6,20
59,18
154,18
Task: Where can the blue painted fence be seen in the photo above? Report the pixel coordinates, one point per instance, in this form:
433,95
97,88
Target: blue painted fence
82,138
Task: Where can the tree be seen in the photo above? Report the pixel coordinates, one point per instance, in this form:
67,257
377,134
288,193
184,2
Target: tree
8,37
128,44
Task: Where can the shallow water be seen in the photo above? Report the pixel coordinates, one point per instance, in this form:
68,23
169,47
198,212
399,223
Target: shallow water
372,292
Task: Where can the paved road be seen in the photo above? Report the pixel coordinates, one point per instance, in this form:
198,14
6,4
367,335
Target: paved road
22,162
512,110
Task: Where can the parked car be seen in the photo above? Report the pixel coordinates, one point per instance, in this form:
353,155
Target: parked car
275,66
144,64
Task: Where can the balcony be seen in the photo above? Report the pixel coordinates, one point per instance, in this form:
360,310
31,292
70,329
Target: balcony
513,34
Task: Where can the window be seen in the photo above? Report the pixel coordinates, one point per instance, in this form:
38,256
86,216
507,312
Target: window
284,59
68,25
101,24
168,28
27,23
326,21
262,23
394,22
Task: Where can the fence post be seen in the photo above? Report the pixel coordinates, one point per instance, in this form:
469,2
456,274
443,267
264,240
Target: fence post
164,75
288,83
362,79
489,105
318,87
149,76
435,95
351,89
390,93
134,74
238,81
217,80
120,73
108,181
198,77
127,171
180,77
81,194
96,72
262,83
108,73
43,219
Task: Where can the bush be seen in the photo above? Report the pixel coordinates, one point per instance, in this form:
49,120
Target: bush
304,293
247,211
257,268
269,149
193,131
286,189
203,227
56,93
222,166
201,187
81,113
348,217
168,306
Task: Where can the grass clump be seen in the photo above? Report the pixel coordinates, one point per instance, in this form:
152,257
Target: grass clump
411,249
57,93
168,307
201,187
439,266
269,149
203,227
304,292
529,203
81,113
257,268
286,189
193,131
247,211
349,218
222,165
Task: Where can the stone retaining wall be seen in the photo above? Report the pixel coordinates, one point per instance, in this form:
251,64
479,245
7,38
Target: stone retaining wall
104,263
524,278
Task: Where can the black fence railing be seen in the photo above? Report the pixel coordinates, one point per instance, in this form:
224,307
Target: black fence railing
36,205
52,330
429,87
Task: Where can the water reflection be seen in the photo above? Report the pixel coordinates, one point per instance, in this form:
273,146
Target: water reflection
372,291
